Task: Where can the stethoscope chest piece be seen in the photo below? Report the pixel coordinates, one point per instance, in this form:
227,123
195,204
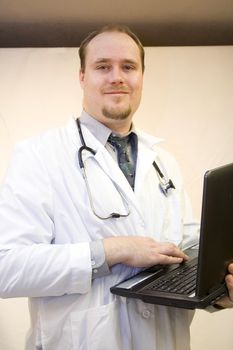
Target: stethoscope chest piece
165,185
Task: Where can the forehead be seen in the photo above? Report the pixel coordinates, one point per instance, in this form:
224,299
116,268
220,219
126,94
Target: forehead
112,46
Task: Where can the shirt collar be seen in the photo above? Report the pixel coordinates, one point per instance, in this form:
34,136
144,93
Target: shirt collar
99,130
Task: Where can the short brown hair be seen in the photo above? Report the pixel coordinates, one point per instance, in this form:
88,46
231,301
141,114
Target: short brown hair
109,28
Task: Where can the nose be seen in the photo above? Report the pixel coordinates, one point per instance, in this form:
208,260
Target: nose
116,76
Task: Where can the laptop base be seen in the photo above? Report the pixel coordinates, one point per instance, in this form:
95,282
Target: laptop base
136,286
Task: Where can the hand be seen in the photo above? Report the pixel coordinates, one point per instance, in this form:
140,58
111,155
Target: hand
141,251
227,301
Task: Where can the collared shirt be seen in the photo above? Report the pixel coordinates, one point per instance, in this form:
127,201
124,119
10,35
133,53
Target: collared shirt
102,134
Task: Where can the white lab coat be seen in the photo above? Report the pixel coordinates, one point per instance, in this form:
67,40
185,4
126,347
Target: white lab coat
46,225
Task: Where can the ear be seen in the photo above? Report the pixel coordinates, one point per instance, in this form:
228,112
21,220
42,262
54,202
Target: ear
81,77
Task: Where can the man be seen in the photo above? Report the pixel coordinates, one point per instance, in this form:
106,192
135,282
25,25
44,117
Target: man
80,211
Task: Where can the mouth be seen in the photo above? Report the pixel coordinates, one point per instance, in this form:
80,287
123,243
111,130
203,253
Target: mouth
118,92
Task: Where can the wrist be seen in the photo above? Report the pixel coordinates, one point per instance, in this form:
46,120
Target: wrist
114,250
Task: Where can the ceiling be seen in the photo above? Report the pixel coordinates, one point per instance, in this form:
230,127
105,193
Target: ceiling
64,23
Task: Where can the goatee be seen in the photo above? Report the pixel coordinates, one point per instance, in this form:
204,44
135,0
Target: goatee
115,114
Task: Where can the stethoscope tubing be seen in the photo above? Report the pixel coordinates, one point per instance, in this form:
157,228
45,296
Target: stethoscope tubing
164,183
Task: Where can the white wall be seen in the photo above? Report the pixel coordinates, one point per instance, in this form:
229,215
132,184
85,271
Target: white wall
187,100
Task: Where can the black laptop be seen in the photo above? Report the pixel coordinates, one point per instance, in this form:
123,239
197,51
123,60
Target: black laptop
198,282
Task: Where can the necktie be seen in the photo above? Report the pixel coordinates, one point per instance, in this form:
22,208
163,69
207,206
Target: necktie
125,161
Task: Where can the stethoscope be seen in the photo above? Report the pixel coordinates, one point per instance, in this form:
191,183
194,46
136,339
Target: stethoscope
165,184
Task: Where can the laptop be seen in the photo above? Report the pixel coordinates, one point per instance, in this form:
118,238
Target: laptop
198,282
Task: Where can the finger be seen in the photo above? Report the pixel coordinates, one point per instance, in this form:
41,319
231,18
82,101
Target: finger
227,301
169,260
230,268
172,250
229,283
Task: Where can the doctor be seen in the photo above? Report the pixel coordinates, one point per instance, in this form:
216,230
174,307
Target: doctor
76,217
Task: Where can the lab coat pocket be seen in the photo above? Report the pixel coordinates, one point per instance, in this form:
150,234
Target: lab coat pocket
97,328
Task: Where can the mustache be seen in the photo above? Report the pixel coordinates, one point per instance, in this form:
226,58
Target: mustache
116,89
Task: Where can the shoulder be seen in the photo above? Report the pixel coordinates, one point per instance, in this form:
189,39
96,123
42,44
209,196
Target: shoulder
155,144
48,141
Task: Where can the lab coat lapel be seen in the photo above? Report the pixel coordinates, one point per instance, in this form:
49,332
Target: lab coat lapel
144,162
146,156
110,167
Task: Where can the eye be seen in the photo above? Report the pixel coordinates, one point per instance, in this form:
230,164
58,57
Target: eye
129,67
103,67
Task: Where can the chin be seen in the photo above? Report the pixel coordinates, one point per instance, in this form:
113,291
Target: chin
116,113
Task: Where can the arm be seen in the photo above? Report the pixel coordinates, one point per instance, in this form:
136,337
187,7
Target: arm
44,270
30,264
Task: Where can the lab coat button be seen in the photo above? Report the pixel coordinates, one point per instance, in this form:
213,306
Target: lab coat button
146,313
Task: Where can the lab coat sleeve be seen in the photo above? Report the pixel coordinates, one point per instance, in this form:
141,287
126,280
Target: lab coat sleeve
30,264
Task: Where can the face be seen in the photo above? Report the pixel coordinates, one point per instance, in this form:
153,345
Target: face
112,80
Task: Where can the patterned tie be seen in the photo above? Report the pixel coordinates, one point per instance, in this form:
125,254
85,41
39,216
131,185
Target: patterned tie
125,162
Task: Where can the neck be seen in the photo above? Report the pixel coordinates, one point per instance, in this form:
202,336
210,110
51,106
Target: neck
120,127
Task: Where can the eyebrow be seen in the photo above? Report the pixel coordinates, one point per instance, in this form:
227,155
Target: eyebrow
101,60
107,60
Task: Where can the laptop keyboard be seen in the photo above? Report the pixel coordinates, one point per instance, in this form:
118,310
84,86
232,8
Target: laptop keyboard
181,280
